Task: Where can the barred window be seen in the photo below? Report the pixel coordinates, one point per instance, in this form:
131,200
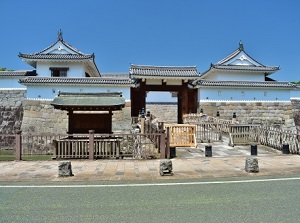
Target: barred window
59,71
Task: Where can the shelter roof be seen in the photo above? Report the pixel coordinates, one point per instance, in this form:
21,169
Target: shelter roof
108,101
171,72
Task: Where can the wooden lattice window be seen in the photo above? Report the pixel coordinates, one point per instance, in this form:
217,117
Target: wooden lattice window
59,71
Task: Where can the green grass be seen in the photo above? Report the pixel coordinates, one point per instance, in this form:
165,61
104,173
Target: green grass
9,155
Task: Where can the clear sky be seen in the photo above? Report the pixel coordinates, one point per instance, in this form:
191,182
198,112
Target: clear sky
155,32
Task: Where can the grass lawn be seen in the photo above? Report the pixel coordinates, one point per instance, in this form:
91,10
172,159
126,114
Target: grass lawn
9,155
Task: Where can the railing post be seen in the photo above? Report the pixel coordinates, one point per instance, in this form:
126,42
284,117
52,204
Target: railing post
18,145
162,145
143,124
91,144
168,143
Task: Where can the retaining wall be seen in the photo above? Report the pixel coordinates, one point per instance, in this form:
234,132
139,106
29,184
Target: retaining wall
38,116
11,110
41,117
270,113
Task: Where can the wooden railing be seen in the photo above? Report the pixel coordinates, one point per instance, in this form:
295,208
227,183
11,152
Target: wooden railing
78,148
243,134
209,129
275,138
209,132
91,146
182,135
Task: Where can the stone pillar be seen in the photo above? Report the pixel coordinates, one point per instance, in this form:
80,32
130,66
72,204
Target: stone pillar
251,165
65,169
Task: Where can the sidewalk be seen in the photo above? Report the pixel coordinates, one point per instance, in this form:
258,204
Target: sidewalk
135,170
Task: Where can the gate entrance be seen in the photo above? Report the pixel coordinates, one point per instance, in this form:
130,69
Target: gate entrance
169,79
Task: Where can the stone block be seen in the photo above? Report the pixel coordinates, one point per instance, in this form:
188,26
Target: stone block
166,167
65,169
251,165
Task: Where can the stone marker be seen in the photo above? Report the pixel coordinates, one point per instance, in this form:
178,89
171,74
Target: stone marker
251,165
165,167
65,169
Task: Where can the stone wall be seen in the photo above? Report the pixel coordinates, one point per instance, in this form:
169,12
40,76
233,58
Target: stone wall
278,113
35,116
41,117
165,112
296,111
11,110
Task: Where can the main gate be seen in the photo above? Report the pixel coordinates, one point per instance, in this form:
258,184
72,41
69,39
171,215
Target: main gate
168,79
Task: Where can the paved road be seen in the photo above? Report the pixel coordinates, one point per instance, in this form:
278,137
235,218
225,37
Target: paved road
233,200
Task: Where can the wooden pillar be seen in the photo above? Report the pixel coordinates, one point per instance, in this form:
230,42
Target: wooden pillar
185,100
192,100
110,122
70,123
138,99
18,145
91,144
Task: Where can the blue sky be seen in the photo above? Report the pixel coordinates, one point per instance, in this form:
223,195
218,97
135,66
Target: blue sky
156,32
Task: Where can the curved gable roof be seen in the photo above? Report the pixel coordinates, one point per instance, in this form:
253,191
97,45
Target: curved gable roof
60,50
245,63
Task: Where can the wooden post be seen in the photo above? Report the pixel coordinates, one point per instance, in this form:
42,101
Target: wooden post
162,145
168,143
143,125
18,145
91,144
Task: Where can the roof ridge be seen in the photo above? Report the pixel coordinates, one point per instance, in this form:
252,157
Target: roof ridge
236,52
155,67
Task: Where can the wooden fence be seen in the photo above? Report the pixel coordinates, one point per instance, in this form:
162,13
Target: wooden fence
182,135
213,128
243,134
84,146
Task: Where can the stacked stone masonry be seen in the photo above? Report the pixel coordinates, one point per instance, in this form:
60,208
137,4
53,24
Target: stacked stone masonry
41,117
269,113
38,116
11,110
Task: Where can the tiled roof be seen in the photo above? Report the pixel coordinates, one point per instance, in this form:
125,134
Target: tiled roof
90,100
60,39
68,80
17,73
56,56
72,54
163,71
221,65
236,52
245,68
209,83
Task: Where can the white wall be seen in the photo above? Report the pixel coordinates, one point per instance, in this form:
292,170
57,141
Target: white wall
11,82
237,77
244,94
76,69
49,92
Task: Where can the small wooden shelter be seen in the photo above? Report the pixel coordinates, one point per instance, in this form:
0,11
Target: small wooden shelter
89,111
